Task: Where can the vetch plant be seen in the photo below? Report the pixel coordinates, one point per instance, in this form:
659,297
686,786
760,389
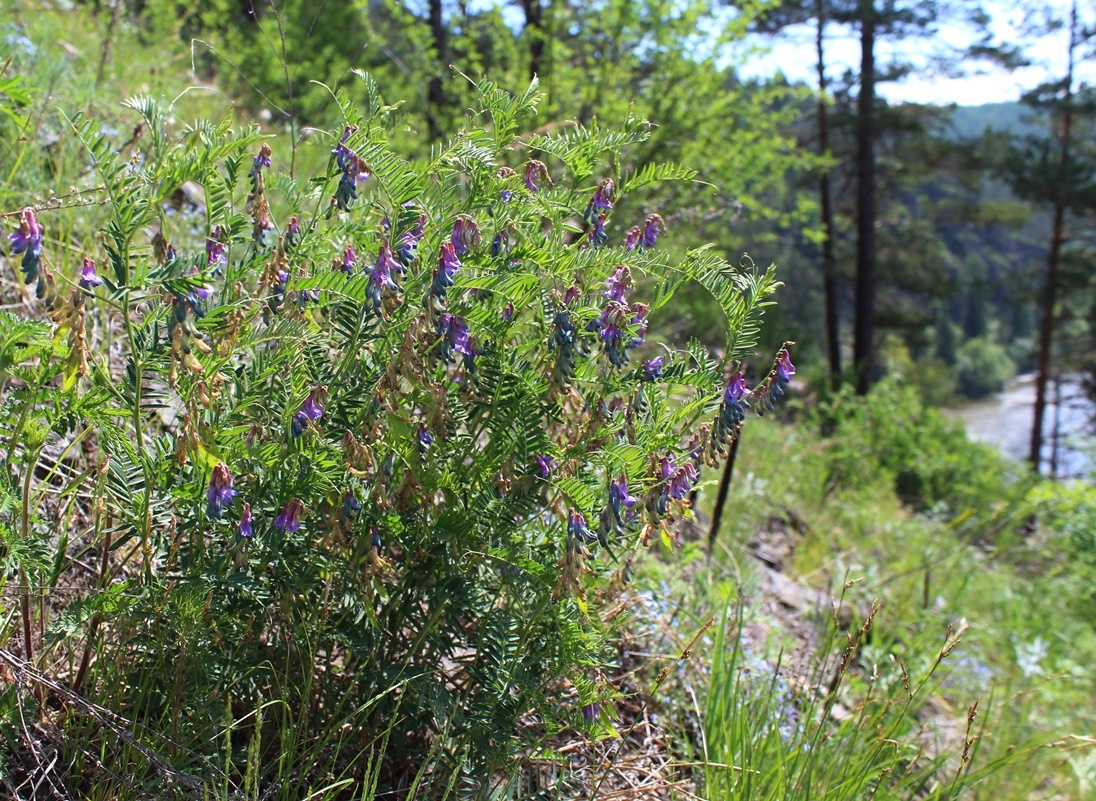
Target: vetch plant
351,434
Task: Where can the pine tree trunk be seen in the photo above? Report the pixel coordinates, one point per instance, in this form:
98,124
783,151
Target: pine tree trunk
864,330
534,29
435,95
1057,239
829,279
1046,336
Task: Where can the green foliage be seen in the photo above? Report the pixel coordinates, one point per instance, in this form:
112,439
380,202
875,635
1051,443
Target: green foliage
838,732
353,426
929,458
983,367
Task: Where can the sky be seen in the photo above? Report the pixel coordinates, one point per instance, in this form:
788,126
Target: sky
793,54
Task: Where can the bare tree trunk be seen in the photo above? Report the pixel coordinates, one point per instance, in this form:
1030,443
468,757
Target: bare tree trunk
864,330
435,95
1054,257
534,30
829,279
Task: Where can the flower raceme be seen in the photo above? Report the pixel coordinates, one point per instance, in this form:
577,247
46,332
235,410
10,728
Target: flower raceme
290,517
28,241
220,493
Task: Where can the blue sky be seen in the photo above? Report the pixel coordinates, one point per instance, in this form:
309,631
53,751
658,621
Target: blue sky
793,54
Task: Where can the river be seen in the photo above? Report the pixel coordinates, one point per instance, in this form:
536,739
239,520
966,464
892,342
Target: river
1005,420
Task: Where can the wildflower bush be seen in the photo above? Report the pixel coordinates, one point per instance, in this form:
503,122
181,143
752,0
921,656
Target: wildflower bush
348,465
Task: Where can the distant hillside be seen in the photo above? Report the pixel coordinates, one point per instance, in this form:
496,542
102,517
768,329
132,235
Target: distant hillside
971,121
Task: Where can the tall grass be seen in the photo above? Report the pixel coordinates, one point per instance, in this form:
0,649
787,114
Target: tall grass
833,725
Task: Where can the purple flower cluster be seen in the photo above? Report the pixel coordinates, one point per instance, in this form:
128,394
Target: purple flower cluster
354,171
28,241
220,492
503,173
215,250
618,318
534,171
290,517
564,342
454,338
466,234
88,277
651,230
602,201
778,379
407,246
676,481
447,269
380,278
310,411
577,530
292,233
618,512
597,235
652,369
349,259
262,159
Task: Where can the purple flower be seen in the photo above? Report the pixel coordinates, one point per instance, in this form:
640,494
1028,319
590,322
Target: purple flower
380,277
354,171
409,242
651,229
375,537
466,234
736,389
289,519
508,312
652,369
350,505
299,424
612,325
220,491
546,464
602,201
597,236
679,480
349,259
262,159
535,170
88,276
632,239
590,713
501,243
505,195
245,521
639,321
448,266
784,367
312,406
455,338
617,283
202,292
577,529
293,229
28,241
425,440
619,498
215,249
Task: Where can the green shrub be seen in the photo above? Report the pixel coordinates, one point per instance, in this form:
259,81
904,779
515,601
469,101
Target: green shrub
984,367
332,444
929,457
